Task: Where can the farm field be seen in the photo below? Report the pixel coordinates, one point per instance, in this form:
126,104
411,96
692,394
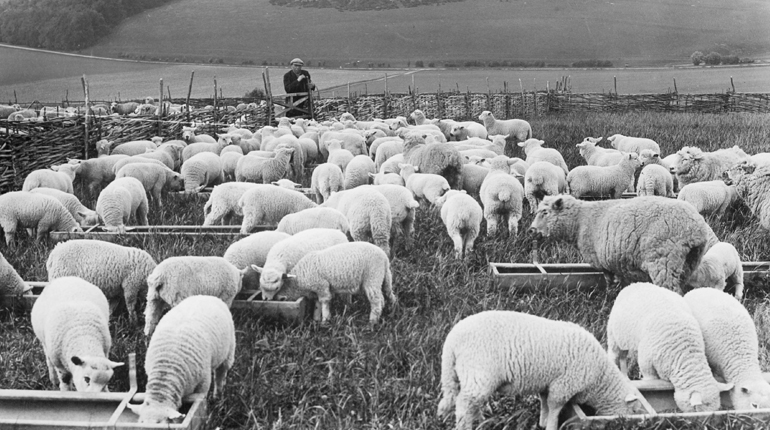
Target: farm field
349,376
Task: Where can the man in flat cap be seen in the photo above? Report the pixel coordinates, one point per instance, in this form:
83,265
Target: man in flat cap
297,80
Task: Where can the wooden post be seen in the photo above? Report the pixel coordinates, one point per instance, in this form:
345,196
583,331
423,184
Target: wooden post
732,84
16,99
507,100
489,96
189,91
88,117
438,102
386,82
159,110
523,103
615,80
216,116
349,104
269,94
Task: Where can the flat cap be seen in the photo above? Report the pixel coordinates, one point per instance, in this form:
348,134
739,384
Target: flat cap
297,61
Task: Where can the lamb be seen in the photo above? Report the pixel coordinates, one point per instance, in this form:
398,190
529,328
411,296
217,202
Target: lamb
732,347
59,177
358,170
252,249
655,180
535,152
121,200
403,208
285,254
177,278
83,215
229,164
119,271
517,130
316,217
658,324
124,108
649,157
603,181
205,327
134,147
368,213
439,159
195,148
135,160
267,204
202,170
33,211
698,166
153,178
721,266
473,177
752,185
287,183
462,131
189,136
477,146
543,179
11,283
327,178
501,194
264,170
338,155
391,164
462,217
387,178
596,155
71,321
709,197
642,238
223,202
424,186
516,353
632,144
389,146
351,141
166,155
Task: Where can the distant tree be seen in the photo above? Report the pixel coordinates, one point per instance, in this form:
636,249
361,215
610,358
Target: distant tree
419,63
697,58
431,64
713,58
256,93
730,59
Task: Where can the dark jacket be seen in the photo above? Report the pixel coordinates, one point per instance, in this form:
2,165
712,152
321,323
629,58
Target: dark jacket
292,85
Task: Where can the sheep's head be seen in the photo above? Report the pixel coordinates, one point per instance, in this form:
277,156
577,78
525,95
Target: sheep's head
456,130
188,133
333,144
749,395
287,183
614,140
688,160
417,115
531,144
735,173
486,115
548,211
411,140
91,374
347,116
103,147
270,281
175,182
501,162
88,217
648,156
151,413
586,146
701,399
632,159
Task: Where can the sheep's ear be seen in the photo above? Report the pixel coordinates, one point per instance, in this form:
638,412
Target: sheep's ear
372,175
655,155
256,268
288,276
77,361
416,169
696,399
557,204
725,386
114,364
137,409
275,183
631,397
581,145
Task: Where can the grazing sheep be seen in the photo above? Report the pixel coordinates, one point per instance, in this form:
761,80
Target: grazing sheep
424,186
166,155
202,170
267,204
195,148
203,327
543,179
732,347
596,155
252,249
59,177
315,217
11,283
516,353
33,211
177,278
632,144
82,214
368,213
134,147
753,187
71,321
387,178
119,271
501,195
478,146
327,178
358,170
462,217
698,166
403,208
535,152
517,130
639,239
229,164
438,159
603,181
136,159
153,178
655,180
658,325
720,267
473,177
223,202
709,197
350,140
264,170
121,200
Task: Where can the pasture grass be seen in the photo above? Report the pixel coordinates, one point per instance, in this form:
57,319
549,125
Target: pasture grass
347,375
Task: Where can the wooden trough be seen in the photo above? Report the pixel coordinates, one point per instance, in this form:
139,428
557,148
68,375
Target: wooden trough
100,233
659,403
34,410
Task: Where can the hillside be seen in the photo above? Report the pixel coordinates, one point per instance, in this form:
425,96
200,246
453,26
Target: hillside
638,32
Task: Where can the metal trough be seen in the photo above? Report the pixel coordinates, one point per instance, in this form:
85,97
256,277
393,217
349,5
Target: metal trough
99,232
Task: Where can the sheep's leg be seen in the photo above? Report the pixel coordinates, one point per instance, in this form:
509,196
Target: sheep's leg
130,297
152,313
114,302
457,239
65,380
543,409
468,409
387,286
220,375
53,374
646,363
555,405
373,291
532,203
205,384
513,223
141,214
156,196
491,218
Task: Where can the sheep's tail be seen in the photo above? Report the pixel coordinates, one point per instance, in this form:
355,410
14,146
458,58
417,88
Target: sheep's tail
504,195
207,208
450,385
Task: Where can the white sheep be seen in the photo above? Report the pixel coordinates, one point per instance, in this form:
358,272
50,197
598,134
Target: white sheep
517,353
121,200
287,183
153,178
83,215
376,146
59,177
387,178
134,147
462,217
709,197
732,347
204,327
189,136
391,164
195,148
641,239
424,186
535,152
720,267
403,210
202,170
315,217
473,177
222,203
368,213
33,211
358,170
543,179
387,150
517,130
655,180
752,184
11,283
252,249
70,318
119,271
338,155
658,325
632,144
267,204
136,159
327,178
264,170
603,181
166,155
285,254
436,158
177,278
501,195
350,140
478,146
596,155
698,166
230,163
463,130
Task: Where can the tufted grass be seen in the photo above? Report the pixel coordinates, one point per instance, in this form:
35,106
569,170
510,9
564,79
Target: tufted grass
347,375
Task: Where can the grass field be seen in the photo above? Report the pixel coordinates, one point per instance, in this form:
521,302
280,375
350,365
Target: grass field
348,376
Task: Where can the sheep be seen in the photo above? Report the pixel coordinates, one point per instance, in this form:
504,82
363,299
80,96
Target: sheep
119,271
501,194
177,278
229,164
391,164
202,170
173,148
33,211
286,183
204,327
121,200
535,152
596,155
387,178
309,147
655,180
632,144
59,177
267,204
264,170
222,203
136,160
123,108
70,318
473,177
650,157
462,131
368,213
357,171
752,185
153,178
698,166
389,150
517,353
83,215
439,159
166,155
296,159
732,347
462,217
285,254
658,325
403,208
426,131
543,179
351,141
709,197
134,147
252,249
721,266
642,238
424,186
189,136
338,155
517,130
195,148
11,283
327,178
316,217
477,146
603,181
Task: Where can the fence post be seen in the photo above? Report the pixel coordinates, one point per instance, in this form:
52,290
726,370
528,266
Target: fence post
189,91
438,102
216,114
88,117
159,110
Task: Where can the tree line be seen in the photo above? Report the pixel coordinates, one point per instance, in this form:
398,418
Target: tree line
65,25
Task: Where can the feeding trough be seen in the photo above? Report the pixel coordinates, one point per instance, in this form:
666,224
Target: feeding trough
32,409
206,192
289,311
100,233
